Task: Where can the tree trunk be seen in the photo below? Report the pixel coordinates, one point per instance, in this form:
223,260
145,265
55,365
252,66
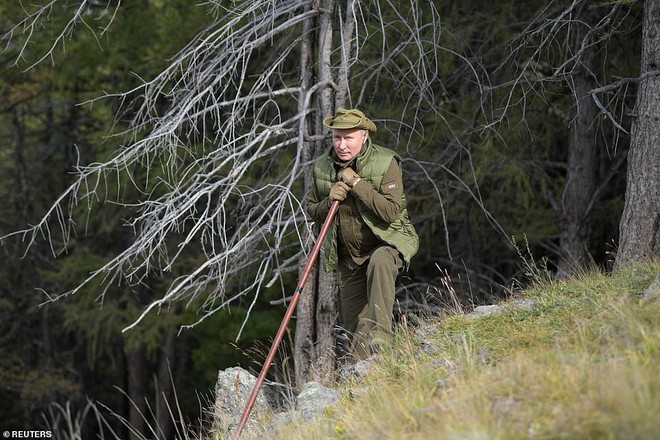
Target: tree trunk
304,334
348,29
639,228
121,365
137,390
326,320
581,171
326,307
317,310
165,401
23,202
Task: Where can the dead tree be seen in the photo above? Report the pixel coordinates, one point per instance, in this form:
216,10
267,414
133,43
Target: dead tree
234,108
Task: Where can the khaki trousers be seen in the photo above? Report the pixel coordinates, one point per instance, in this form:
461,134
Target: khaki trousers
366,299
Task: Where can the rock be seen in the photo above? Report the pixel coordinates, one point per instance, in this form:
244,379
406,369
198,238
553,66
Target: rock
487,310
429,348
423,334
359,369
232,392
311,403
652,293
280,419
440,385
525,304
314,399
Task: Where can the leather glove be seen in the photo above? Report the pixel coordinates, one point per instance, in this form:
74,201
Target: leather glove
339,191
348,176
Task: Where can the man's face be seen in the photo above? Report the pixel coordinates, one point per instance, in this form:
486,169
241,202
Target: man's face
348,143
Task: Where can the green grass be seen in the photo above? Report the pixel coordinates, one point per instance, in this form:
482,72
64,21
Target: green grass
584,363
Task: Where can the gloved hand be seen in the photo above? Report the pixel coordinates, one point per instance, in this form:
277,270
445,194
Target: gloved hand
348,176
339,191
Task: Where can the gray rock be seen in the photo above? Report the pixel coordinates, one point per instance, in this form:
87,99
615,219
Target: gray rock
232,392
526,304
429,348
487,310
357,370
423,334
279,420
314,399
652,293
311,403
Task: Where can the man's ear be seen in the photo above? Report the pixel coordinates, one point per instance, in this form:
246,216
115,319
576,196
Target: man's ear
366,136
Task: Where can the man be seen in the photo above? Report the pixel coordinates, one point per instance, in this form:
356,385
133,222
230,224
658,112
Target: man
371,237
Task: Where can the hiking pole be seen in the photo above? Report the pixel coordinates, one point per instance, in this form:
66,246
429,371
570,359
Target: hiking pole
287,316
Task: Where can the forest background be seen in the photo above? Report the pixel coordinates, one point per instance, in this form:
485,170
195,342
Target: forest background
156,156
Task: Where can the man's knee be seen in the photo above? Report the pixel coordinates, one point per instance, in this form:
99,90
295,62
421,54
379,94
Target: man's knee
385,258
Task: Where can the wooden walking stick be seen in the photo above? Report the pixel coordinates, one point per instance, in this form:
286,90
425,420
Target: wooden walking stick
287,316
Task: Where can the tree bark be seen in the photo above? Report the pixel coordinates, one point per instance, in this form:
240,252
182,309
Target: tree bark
327,288
24,204
137,390
326,320
121,365
165,397
347,32
639,228
304,333
317,309
582,151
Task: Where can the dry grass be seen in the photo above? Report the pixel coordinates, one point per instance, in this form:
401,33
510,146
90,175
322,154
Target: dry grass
582,364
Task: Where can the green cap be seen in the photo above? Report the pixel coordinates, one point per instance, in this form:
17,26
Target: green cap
345,119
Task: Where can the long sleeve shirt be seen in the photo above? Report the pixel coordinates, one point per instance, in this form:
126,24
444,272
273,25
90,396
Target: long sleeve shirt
356,241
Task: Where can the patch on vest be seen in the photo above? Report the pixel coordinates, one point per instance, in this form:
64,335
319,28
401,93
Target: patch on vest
389,186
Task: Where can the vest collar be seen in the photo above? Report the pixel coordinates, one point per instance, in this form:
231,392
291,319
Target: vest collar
357,161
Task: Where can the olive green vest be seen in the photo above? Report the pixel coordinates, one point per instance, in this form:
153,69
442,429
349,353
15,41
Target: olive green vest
372,165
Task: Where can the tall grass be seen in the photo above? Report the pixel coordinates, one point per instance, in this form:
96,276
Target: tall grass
582,363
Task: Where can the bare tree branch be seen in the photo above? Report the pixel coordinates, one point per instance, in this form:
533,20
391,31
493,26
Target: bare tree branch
195,166
622,82
36,19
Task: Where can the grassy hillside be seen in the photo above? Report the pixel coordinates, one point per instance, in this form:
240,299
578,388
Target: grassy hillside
581,363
